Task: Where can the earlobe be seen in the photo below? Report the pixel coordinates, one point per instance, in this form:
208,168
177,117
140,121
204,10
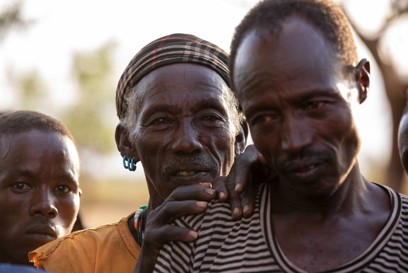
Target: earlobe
362,77
123,143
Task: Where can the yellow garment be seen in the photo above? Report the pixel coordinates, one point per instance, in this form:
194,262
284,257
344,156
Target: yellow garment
109,248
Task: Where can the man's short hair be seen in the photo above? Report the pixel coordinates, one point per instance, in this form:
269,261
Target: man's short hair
326,16
23,121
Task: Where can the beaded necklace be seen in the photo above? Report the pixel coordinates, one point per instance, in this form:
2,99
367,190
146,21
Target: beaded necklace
138,224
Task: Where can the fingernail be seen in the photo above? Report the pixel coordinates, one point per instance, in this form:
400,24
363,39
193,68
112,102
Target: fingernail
206,184
221,195
201,204
236,211
246,209
210,191
193,234
237,187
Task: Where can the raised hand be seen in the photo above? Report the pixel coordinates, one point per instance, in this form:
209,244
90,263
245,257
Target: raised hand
184,200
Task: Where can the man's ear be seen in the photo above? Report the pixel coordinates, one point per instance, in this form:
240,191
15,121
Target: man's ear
362,77
241,138
123,143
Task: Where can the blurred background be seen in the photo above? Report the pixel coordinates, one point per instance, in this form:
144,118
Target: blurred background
64,58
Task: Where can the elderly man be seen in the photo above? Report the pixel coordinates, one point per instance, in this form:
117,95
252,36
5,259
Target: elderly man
180,119
39,183
295,70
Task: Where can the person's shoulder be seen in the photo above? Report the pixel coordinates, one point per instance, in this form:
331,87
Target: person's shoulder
78,251
399,199
10,268
85,238
404,199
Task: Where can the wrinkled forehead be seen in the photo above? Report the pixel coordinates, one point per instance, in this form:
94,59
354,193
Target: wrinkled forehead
297,41
182,81
295,57
171,49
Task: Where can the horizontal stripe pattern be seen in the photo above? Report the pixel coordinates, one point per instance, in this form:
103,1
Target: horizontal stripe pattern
249,245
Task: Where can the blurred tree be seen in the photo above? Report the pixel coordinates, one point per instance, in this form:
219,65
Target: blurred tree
396,84
29,85
11,18
31,89
91,117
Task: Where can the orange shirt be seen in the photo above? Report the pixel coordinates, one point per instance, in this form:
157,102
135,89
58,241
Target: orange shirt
108,248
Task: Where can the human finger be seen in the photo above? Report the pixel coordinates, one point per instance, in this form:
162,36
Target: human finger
201,191
220,186
171,210
167,233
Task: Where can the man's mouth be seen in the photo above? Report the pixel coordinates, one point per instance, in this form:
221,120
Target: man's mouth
42,233
305,168
185,173
192,176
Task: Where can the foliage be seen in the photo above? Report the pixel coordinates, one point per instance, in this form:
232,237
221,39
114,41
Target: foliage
11,18
30,87
90,118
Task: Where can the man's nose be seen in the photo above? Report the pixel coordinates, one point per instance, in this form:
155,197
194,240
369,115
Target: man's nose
43,203
186,139
296,134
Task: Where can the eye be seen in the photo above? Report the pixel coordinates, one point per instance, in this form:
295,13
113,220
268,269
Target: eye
160,120
159,123
211,120
264,119
21,187
63,188
211,117
314,105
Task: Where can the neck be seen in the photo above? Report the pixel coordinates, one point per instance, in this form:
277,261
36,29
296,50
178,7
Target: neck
341,197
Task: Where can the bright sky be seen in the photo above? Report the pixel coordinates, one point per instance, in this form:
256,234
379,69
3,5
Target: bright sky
66,26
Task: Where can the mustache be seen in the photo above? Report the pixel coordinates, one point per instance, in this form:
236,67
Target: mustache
200,162
307,153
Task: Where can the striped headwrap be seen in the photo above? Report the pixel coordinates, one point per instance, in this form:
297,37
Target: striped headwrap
170,49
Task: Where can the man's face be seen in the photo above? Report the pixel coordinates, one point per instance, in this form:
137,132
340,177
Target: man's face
299,121
39,191
403,140
184,132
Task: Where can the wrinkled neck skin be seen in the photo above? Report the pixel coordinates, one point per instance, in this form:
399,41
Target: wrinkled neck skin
154,198
351,194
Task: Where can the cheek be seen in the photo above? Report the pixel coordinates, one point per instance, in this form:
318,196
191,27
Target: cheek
224,151
151,153
68,209
11,214
345,133
264,142
14,205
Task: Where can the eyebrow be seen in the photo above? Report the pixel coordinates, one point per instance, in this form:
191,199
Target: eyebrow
21,172
207,103
66,176
213,103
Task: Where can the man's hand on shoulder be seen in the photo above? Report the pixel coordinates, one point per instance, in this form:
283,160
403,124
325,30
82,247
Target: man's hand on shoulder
249,169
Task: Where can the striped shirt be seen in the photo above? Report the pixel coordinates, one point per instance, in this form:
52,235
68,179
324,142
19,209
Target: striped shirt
249,245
